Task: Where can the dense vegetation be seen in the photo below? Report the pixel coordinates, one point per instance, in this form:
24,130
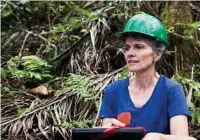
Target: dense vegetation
57,57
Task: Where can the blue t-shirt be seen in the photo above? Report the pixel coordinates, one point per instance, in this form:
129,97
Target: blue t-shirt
166,101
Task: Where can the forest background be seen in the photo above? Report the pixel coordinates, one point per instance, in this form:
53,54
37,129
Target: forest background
58,56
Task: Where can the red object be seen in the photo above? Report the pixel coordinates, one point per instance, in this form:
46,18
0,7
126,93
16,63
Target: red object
109,131
124,117
112,131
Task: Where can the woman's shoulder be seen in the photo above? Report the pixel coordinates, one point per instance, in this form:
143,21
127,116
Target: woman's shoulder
118,83
169,83
115,88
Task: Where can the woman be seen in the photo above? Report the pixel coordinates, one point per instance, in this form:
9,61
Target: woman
146,99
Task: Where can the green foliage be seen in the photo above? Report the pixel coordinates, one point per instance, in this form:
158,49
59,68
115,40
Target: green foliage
76,124
29,68
197,72
3,73
82,85
195,113
6,13
89,14
54,26
124,73
189,84
73,19
21,110
193,86
190,30
4,89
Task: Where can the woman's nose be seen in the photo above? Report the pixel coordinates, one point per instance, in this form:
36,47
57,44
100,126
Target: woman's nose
131,52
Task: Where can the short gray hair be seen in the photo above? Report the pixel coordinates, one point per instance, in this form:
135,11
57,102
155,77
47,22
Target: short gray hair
156,44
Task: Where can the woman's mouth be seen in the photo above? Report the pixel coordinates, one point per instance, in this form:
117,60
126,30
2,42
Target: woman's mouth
132,61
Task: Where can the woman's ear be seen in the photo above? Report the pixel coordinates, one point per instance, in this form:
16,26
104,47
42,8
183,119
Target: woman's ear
157,55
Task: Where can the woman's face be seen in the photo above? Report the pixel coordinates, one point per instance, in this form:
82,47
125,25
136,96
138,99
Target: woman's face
138,54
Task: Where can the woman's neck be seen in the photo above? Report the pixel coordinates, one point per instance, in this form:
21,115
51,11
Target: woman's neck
144,79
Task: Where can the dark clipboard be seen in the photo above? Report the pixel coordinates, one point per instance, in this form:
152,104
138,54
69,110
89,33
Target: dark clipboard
132,133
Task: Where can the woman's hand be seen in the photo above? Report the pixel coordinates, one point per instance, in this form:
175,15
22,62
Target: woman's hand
152,136
159,136
111,122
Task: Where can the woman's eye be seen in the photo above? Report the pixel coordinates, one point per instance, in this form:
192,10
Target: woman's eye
139,46
126,48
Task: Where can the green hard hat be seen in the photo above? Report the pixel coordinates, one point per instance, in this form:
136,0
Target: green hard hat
145,24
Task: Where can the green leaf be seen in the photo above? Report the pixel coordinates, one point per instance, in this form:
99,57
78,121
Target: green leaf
33,69
124,73
58,28
3,73
6,13
37,76
191,105
82,85
84,12
195,25
5,89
